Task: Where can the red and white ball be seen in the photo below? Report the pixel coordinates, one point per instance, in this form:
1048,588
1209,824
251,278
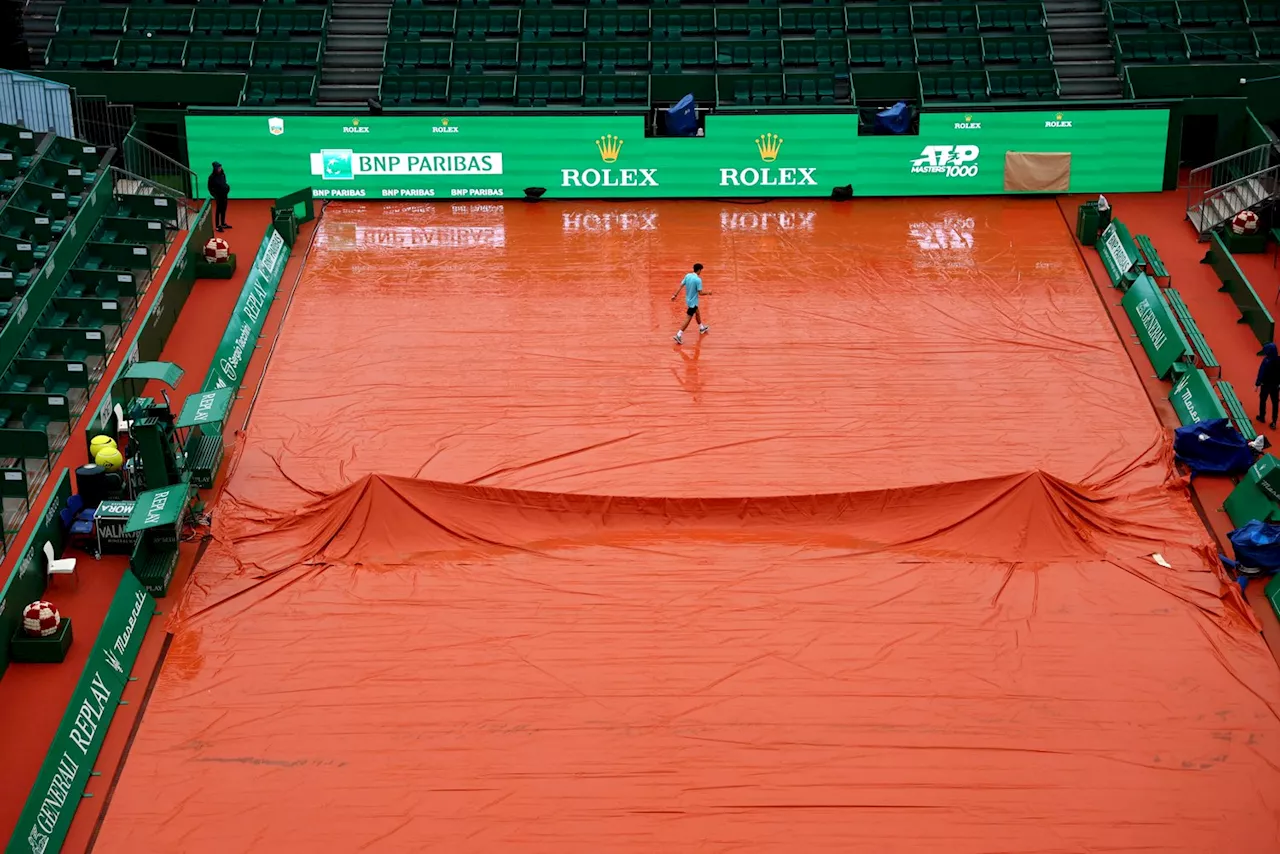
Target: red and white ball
41,619
217,251
1246,222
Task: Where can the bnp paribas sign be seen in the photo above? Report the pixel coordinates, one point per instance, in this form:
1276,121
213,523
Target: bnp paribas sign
344,164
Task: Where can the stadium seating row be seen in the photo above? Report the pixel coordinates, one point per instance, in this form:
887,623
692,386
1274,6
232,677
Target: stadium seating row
744,89
1175,14
133,54
211,21
1221,45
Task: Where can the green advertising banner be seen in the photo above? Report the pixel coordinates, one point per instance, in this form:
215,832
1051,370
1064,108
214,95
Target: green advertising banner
597,156
1193,397
42,827
1118,251
1157,328
236,347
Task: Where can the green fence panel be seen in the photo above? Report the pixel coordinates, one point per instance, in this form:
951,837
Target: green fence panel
26,582
236,347
1158,330
43,824
610,156
1193,397
42,287
1236,284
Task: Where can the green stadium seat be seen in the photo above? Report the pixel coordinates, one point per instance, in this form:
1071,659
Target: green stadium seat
1035,85
142,54
81,23
749,90
809,89
481,91
608,57
548,90
283,21
751,23
1152,47
478,24
538,25
161,20
1222,46
1212,13
812,22
683,24
611,24
895,54
617,91
1028,49
81,53
218,22
943,18
1268,43
423,23
1143,14
948,85
480,57
293,54
410,57
267,89
219,55
1012,17
540,57
1262,12
949,51
815,53
749,55
408,90
674,57
883,18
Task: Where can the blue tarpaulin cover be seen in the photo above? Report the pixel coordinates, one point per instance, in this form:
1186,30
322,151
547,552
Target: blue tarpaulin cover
1257,545
682,119
1212,447
896,119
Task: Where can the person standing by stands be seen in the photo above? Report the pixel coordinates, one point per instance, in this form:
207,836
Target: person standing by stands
219,190
1268,384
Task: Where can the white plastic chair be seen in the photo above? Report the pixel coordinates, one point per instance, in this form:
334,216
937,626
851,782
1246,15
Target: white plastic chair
59,566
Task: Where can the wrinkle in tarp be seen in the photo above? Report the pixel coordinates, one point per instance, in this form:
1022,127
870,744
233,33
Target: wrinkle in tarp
494,573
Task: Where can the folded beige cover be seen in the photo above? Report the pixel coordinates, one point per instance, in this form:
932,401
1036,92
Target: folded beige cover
1038,172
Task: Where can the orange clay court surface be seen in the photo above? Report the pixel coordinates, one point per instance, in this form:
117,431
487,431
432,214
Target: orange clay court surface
866,569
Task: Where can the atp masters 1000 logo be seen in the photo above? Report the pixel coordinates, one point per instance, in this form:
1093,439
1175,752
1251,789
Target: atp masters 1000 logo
953,161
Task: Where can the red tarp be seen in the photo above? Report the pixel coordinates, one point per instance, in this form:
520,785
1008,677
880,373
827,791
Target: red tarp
869,568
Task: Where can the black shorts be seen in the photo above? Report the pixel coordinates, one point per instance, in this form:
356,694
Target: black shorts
693,309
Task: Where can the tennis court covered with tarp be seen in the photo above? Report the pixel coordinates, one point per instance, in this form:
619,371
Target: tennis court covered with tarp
894,559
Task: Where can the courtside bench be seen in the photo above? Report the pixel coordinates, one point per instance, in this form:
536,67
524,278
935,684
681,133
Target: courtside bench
1239,416
1155,266
1203,351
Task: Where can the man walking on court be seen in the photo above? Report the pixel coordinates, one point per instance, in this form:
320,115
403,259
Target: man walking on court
1268,384
692,285
219,190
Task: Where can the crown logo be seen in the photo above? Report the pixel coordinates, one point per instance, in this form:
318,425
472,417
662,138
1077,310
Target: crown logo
769,145
610,147
1059,117
444,122
355,122
968,119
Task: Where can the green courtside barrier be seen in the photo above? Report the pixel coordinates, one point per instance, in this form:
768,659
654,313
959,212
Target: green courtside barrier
158,323
1273,593
238,342
1155,324
26,582
1119,253
42,826
1193,397
1234,282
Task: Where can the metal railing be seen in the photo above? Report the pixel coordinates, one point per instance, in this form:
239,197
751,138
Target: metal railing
126,182
1205,179
142,160
1220,204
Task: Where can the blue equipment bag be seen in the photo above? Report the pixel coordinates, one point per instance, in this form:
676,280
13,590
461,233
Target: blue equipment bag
1212,447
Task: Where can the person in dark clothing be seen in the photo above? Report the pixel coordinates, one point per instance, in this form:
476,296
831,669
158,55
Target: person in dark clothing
219,190
1268,384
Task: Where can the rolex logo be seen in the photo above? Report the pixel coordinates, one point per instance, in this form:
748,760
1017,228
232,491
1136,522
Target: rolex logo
610,147
769,145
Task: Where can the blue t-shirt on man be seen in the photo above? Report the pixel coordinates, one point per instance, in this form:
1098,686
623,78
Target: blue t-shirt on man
692,285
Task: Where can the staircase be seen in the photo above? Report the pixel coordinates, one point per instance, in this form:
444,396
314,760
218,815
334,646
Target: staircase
352,65
1082,53
1217,191
39,23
